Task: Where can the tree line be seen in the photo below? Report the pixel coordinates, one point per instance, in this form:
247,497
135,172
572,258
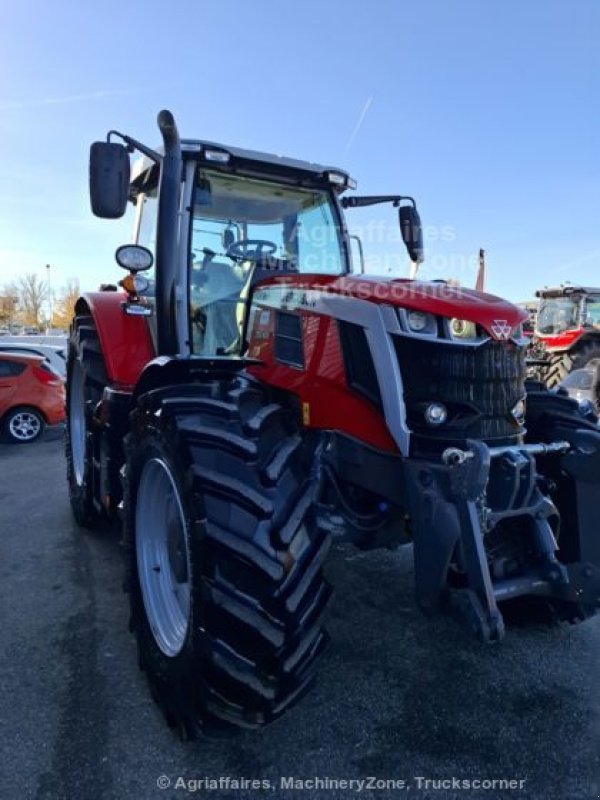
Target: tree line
29,301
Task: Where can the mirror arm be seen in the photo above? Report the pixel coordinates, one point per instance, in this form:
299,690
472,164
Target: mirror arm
371,200
133,144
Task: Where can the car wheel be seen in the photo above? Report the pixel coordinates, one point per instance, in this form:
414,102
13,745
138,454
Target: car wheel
23,425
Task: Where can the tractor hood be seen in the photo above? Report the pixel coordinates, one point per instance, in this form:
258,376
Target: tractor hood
498,317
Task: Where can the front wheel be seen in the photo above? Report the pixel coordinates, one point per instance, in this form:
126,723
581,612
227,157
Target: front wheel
86,379
23,425
225,558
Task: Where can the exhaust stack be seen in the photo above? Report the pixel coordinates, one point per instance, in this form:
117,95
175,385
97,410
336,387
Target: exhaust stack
166,238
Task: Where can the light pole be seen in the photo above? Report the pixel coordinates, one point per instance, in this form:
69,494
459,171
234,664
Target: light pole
50,298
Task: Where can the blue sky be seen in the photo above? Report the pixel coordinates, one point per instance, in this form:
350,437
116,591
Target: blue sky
486,113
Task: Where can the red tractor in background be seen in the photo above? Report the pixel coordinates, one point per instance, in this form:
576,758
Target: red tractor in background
255,400
567,332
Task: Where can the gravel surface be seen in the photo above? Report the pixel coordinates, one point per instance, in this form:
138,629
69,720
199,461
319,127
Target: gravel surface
400,697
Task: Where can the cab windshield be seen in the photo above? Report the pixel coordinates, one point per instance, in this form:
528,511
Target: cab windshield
557,314
239,223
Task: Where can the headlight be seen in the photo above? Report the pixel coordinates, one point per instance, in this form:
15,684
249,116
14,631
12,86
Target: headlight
436,414
140,283
518,412
421,322
462,329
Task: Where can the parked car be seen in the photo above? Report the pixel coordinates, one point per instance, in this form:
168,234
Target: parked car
57,356
32,395
582,384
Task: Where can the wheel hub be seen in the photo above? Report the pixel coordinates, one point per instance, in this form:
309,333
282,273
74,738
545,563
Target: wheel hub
77,426
176,547
162,555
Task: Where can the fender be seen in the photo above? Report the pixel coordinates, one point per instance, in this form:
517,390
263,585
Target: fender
170,370
566,340
125,340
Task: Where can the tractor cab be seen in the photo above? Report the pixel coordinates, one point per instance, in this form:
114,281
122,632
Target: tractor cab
241,227
567,309
216,219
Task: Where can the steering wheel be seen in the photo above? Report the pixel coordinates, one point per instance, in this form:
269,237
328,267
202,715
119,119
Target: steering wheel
250,250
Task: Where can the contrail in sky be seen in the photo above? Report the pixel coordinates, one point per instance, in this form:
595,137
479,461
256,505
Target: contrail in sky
71,98
359,122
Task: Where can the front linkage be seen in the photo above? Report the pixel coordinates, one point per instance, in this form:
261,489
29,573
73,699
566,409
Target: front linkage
494,525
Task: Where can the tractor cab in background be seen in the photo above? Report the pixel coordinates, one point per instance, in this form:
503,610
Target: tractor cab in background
567,331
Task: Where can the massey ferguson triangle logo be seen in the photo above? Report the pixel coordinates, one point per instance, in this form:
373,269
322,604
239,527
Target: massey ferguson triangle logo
500,329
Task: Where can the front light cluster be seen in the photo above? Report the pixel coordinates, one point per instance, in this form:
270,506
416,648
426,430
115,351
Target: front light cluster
462,329
422,323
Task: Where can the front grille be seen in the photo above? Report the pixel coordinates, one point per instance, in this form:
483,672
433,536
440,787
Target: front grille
478,385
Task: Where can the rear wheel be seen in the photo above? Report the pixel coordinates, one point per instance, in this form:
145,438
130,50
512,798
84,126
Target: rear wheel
23,425
562,364
86,379
225,559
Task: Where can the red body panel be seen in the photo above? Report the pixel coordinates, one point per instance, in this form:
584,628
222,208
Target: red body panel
26,389
328,402
125,340
562,341
436,298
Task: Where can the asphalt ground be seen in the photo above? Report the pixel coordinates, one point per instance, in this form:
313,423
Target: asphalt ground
400,697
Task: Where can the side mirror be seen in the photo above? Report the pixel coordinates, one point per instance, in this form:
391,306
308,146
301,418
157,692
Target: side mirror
109,179
412,232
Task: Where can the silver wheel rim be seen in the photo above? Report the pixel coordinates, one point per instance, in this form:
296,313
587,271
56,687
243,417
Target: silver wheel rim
77,429
24,426
163,559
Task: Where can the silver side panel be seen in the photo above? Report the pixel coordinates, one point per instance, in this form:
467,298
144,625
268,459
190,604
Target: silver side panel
378,321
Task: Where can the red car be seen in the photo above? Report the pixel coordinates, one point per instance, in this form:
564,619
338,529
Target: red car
32,396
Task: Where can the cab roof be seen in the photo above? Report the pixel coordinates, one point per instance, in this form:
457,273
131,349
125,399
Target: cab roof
226,157
565,291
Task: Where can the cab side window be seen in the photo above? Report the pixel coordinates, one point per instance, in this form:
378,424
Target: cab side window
146,222
593,310
147,228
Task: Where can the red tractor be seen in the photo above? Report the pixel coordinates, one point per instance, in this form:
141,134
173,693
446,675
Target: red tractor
567,332
255,400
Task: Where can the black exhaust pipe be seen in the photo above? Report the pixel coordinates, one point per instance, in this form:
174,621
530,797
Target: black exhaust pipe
166,236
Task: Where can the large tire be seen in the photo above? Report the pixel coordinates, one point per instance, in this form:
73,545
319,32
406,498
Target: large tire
248,557
86,380
562,364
